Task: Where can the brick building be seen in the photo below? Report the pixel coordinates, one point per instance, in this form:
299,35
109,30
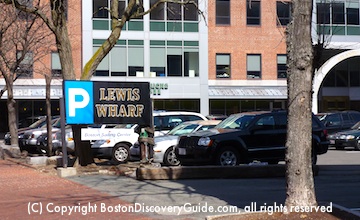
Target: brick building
231,58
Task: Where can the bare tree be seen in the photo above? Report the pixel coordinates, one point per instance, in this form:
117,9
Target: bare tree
21,44
58,25
300,182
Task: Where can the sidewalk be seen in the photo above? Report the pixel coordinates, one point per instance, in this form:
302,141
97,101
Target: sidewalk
29,194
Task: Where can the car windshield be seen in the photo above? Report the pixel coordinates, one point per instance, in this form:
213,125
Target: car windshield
127,126
183,128
235,122
38,123
356,126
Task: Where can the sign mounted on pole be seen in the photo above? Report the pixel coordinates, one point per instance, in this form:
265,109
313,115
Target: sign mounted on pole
89,102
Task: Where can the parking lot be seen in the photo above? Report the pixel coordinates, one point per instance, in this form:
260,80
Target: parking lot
337,182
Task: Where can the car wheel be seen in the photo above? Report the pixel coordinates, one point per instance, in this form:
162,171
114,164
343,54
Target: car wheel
228,156
357,147
42,148
121,153
170,157
57,152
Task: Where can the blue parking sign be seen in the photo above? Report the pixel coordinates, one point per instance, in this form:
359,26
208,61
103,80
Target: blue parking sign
79,102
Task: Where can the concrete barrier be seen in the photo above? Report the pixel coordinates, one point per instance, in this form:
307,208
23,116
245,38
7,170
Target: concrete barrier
209,172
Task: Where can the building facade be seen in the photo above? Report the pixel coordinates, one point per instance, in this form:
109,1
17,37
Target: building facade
247,55
230,58
337,79
167,48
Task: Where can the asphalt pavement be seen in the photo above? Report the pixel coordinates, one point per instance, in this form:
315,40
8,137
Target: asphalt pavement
30,194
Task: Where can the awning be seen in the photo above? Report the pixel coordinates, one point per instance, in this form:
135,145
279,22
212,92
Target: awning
244,92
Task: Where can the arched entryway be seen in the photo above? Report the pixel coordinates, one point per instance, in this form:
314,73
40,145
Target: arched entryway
323,71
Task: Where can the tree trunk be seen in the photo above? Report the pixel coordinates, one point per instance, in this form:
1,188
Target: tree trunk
300,183
48,116
12,113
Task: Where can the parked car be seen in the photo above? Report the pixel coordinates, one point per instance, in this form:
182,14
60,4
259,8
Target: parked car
339,121
243,138
30,136
164,145
37,124
164,121
216,117
347,138
27,122
40,122
42,142
118,148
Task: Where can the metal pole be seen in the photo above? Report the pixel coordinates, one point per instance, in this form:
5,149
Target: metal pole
62,127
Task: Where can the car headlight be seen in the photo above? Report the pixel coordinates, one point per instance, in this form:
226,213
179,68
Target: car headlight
350,137
347,137
204,141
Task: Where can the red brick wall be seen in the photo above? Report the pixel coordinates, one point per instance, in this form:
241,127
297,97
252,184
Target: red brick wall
238,39
74,30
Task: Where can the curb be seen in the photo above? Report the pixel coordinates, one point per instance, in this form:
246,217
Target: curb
209,172
337,211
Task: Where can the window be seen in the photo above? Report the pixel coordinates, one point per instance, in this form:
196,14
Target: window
338,13
223,66
25,68
121,8
99,9
174,58
101,15
24,15
283,10
253,12
158,13
338,18
191,12
253,66
173,11
103,68
55,65
323,13
281,66
136,58
118,61
265,123
222,11
174,17
352,14
174,64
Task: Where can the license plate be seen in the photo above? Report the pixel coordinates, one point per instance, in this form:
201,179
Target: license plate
182,151
332,141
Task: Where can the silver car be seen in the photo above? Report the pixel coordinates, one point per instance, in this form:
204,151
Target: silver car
164,145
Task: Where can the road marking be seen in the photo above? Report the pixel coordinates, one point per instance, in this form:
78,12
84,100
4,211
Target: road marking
352,152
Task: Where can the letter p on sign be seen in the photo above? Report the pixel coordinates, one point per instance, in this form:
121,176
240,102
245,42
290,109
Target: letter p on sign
79,102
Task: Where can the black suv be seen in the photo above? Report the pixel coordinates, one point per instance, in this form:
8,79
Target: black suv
339,121
245,137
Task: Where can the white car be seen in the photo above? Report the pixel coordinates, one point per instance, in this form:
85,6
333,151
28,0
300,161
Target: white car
164,121
164,145
116,148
